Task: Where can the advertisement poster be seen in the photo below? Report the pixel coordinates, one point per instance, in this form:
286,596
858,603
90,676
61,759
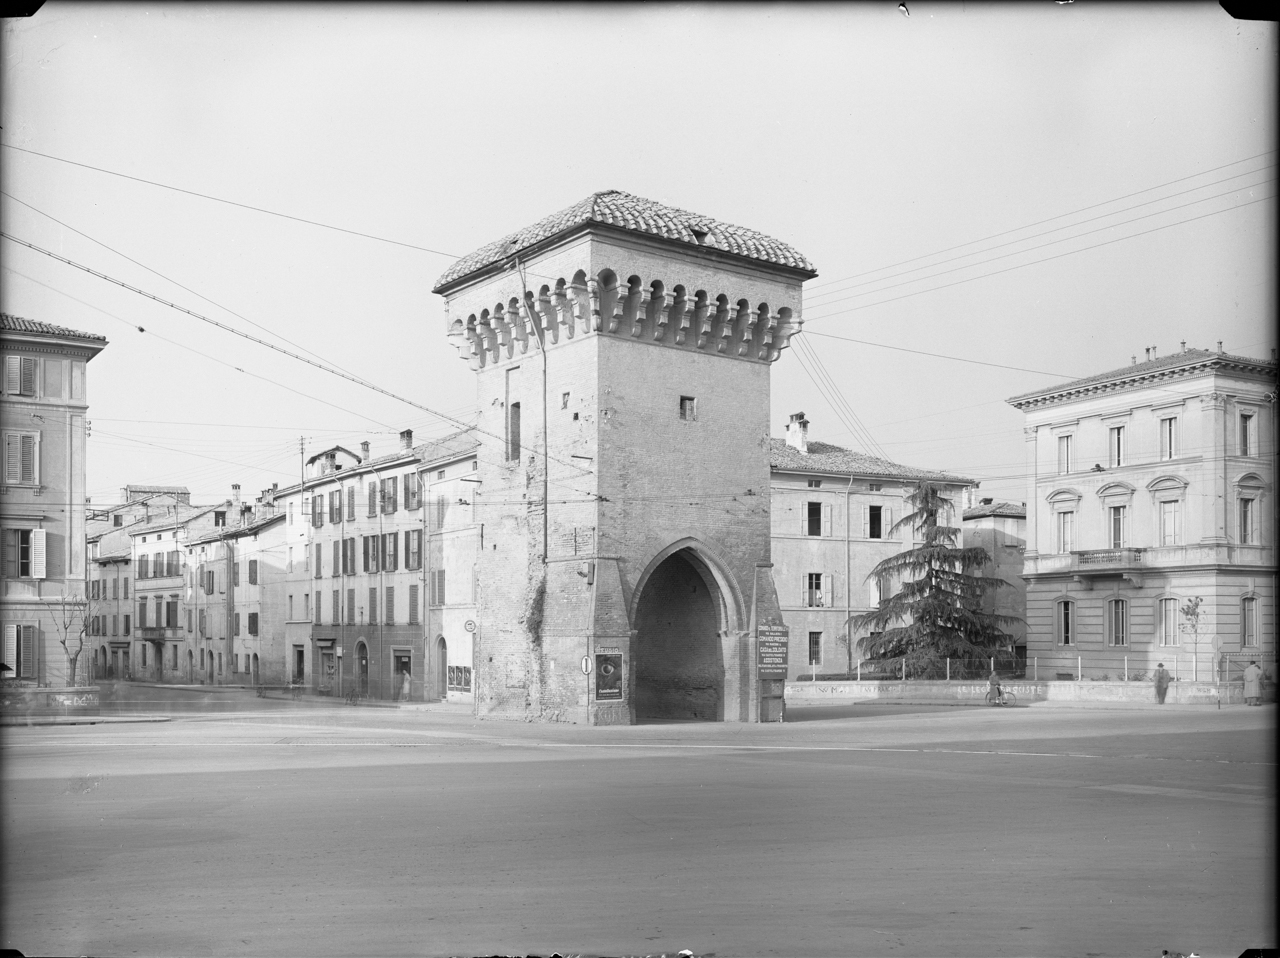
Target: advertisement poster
608,674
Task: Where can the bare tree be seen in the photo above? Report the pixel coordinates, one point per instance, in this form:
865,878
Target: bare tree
71,618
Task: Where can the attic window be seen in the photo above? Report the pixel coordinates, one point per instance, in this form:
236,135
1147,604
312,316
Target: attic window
875,487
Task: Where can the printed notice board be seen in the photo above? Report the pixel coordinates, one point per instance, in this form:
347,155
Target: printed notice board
608,674
771,655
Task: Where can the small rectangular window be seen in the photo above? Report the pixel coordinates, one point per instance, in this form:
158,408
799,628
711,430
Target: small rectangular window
564,400
1246,435
815,648
688,408
1066,456
815,483
875,522
813,519
875,486
1168,438
1066,623
1115,445
440,474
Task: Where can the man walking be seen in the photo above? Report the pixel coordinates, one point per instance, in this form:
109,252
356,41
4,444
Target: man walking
1162,682
1253,684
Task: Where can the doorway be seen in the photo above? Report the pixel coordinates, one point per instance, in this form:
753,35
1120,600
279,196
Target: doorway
677,655
255,668
402,676
362,668
299,664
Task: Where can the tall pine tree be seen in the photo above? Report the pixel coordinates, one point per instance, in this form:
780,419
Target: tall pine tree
936,614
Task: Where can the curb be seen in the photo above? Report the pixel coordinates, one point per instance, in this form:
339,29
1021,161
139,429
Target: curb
13,722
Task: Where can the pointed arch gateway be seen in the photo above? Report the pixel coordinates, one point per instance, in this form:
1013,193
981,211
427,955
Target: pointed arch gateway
687,615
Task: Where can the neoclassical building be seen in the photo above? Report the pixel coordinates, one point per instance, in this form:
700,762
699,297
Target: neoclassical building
1151,486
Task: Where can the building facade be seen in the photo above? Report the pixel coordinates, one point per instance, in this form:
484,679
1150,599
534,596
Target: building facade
1001,529
1151,487
833,512
42,498
622,351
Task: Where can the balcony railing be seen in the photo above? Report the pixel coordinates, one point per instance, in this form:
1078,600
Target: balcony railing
1099,559
154,633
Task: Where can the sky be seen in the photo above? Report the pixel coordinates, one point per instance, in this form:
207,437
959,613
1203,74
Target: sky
996,199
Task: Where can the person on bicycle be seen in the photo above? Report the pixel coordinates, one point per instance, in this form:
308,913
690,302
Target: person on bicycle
994,693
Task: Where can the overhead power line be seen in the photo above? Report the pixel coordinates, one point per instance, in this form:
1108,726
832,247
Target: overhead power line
921,352
219,199
1018,229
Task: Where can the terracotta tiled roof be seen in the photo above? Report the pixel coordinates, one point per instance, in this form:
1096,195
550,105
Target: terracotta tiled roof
615,208
1009,510
452,446
826,458
1189,357
20,325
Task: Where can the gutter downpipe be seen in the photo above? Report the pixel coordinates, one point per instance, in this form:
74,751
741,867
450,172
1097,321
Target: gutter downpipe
848,582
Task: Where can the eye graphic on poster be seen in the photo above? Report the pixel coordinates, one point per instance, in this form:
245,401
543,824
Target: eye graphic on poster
608,675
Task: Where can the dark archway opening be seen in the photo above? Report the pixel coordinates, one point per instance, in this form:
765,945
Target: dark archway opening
677,655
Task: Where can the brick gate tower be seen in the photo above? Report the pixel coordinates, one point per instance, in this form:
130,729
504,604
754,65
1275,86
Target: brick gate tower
622,352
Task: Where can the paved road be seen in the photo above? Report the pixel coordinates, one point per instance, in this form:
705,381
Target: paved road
339,831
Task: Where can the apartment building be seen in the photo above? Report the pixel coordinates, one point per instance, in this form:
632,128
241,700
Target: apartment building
42,497
1151,487
833,512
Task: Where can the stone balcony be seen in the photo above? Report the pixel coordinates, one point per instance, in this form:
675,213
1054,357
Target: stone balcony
155,634
1084,565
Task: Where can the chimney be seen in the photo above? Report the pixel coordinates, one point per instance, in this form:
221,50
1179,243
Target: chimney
798,433
364,450
235,495
406,440
1219,347
1146,355
1184,345
1133,360
1153,352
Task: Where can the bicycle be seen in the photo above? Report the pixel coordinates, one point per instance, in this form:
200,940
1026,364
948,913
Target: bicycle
1002,697
296,690
353,697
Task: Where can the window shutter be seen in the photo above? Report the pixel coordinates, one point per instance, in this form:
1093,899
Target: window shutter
11,647
395,552
37,554
253,571
442,587
30,460
12,457
886,521
28,377
28,652
373,498
866,522
826,519
236,624
337,557
828,590
351,503
12,378
804,518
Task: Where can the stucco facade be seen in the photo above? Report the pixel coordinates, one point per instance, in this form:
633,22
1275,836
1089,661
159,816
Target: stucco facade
42,497
1151,486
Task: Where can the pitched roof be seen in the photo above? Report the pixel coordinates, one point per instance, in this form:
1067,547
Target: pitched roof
1185,358
825,458
19,325
639,215
453,446
1010,510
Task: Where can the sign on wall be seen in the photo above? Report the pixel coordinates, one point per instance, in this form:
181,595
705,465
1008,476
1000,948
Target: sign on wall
608,674
771,653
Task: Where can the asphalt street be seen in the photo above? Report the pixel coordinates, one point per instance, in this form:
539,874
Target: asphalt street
296,829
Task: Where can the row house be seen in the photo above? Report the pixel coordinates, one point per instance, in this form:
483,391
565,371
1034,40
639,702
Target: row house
833,512
163,646
236,582
1151,487
42,496
354,583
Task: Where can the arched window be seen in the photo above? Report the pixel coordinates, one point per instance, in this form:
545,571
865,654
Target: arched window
1249,606
1064,622
1117,622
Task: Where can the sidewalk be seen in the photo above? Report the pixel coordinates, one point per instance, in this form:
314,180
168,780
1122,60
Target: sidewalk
25,721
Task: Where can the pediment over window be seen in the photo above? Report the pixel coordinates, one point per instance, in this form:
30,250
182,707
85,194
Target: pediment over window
1063,495
1112,489
1167,483
1252,480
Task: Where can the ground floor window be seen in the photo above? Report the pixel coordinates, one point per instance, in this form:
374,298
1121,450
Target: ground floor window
1118,622
1168,624
19,650
1249,621
815,648
1065,623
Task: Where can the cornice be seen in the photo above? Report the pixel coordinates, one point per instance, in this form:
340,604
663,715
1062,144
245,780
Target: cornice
1210,366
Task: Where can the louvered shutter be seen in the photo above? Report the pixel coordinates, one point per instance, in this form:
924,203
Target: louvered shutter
828,590
337,557
9,553
804,518
12,457
11,647
351,503
826,519
12,377
38,553
253,571
373,498
866,522
29,459
27,652
886,522
28,377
